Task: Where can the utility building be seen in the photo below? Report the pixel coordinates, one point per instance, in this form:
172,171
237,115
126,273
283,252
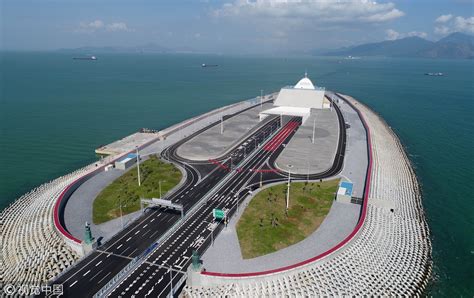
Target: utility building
298,100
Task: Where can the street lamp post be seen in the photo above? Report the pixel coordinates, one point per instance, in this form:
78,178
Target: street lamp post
212,232
159,184
171,278
138,168
288,190
121,216
222,124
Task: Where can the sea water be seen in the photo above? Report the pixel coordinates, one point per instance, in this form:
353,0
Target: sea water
54,111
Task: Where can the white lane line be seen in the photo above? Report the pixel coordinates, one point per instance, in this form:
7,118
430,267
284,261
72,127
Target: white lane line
137,232
72,284
152,220
153,234
132,252
86,273
98,263
108,255
104,277
95,275
127,239
145,226
119,246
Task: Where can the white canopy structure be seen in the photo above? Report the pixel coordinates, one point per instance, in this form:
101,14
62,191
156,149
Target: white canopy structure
298,100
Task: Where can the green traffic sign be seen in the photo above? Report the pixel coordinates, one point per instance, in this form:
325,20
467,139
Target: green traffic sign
218,213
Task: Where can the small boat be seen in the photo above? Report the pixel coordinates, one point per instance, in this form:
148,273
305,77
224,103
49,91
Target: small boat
85,58
209,65
434,74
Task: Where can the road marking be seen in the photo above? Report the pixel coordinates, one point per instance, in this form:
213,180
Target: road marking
86,273
98,263
103,277
137,232
108,255
145,226
132,252
127,239
72,284
152,220
95,275
153,234
119,246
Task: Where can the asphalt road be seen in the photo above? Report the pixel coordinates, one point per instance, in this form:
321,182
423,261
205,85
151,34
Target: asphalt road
93,272
172,256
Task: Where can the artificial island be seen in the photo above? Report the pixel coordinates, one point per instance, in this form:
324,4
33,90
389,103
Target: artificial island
301,192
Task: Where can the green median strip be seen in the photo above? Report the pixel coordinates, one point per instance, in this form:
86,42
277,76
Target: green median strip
125,191
265,227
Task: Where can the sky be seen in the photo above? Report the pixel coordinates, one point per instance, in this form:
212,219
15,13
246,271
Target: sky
226,26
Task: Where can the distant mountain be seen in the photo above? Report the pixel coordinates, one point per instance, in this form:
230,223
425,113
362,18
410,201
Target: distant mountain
456,45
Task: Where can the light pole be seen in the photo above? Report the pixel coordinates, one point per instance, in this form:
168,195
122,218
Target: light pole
138,168
309,161
212,232
159,184
171,278
222,124
288,190
121,216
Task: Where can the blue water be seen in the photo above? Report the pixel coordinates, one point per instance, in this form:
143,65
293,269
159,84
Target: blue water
55,111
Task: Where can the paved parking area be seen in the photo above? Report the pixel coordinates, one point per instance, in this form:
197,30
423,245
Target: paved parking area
225,255
302,154
212,144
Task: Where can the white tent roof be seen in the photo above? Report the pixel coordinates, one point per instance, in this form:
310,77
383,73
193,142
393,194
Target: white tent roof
289,111
304,83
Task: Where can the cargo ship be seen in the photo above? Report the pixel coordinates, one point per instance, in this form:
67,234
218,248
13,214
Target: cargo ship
85,58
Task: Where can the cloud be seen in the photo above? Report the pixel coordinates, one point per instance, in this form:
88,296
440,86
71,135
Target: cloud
444,18
119,26
99,25
320,11
91,26
452,24
393,35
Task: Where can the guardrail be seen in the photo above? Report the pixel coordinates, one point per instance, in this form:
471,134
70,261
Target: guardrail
137,261
338,246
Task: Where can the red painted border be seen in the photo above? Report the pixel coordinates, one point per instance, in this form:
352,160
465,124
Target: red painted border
57,222
340,244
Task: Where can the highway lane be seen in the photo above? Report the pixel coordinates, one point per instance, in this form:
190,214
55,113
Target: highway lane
175,252
96,270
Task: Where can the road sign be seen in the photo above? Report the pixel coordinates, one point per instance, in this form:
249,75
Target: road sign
218,213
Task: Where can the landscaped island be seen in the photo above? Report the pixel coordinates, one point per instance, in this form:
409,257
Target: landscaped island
265,227
126,193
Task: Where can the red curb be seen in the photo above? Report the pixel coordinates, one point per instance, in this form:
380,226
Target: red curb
340,244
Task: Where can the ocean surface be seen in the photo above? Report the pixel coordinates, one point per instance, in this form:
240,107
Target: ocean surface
54,111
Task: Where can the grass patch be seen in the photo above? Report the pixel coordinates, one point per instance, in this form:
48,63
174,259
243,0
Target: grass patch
125,189
265,227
